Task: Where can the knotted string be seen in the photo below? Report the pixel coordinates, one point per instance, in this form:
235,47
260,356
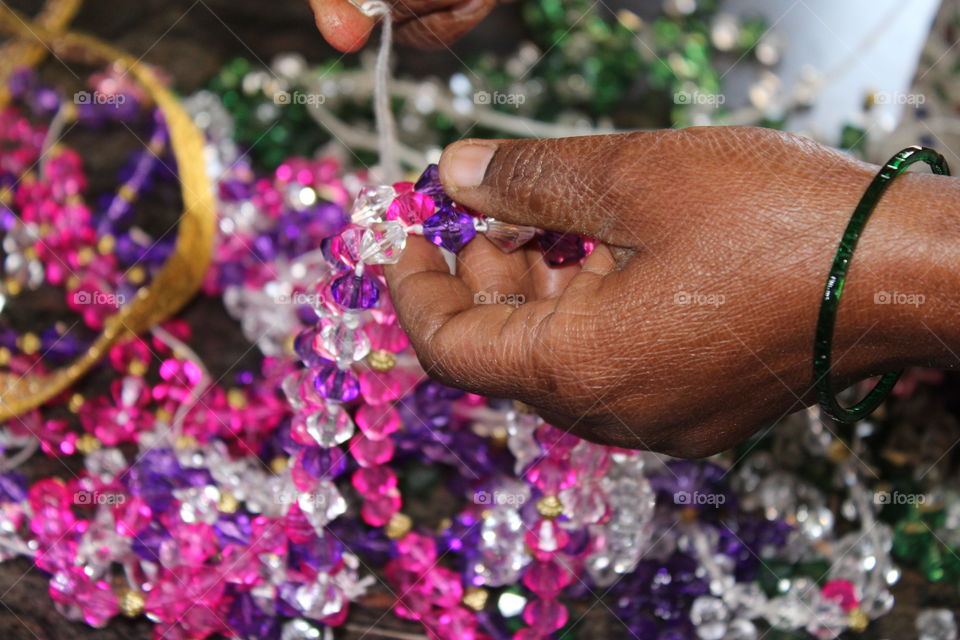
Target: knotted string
386,130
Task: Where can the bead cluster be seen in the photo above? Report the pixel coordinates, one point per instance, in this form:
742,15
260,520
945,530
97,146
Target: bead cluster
218,506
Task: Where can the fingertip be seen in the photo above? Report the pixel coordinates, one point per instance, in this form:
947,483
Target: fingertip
341,24
463,164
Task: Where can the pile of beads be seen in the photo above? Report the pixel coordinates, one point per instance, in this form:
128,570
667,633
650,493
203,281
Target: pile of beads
223,508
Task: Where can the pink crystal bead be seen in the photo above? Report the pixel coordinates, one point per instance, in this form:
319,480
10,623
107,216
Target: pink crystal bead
373,480
411,208
551,475
546,538
369,453
556,443
843,592
546,578
455,623
416,552
389,386
82,598
545,615
378,422
377,509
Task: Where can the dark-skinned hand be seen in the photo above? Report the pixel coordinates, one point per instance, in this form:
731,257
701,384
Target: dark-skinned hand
691,325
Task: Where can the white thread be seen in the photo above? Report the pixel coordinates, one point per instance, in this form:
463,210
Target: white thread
386,130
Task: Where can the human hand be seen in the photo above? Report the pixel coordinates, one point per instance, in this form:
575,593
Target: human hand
691,325
427,24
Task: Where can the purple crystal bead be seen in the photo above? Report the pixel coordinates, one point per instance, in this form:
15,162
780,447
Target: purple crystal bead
429,183
355,292
562,248
449,228
334,383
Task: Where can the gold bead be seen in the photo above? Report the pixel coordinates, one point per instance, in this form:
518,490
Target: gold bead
84,256
476,598
131,602
236,398
399,525
137,368
381,360
106,244
858,620
76,401
87,443
4,356
279,464
164,415
549,507
137,274
12,287
127,192
186,442
523,407
29,343
837,451
228,503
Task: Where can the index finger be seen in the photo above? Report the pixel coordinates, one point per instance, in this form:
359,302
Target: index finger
487,349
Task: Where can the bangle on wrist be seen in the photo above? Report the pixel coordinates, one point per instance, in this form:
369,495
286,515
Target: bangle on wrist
826,321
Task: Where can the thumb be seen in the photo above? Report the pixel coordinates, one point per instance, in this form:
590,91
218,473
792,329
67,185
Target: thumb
585,185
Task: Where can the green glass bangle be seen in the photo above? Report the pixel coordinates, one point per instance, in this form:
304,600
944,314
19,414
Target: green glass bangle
823,341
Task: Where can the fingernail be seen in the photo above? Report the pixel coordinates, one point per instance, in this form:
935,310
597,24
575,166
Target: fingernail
467,164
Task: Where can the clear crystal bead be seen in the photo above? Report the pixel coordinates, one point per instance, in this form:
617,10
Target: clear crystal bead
741,629
383,243
710,616
320,598
344,344
371,204
508,237
322,505
330,426
936,624
299,629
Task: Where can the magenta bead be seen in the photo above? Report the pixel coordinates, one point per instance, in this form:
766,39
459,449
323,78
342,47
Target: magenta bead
369,453
411,208
545,615
373,480
843,592
546,578
416,552
377,509
378,422
546,538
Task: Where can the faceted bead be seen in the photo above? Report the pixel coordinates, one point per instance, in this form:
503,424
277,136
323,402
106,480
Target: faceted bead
411,208
449,228
371,204
381,388
345,246
416,552
322,505
377,509
562,248
402,187
842,592
344,344
378,422
329,426
291,389
383,243
546,578
508,237
355,292
429,183
710,616
369,453
545,615
373,480
339,385
78,597
936,624
546,538
551,475
305,346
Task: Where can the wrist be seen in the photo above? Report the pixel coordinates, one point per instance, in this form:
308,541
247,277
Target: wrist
916,283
